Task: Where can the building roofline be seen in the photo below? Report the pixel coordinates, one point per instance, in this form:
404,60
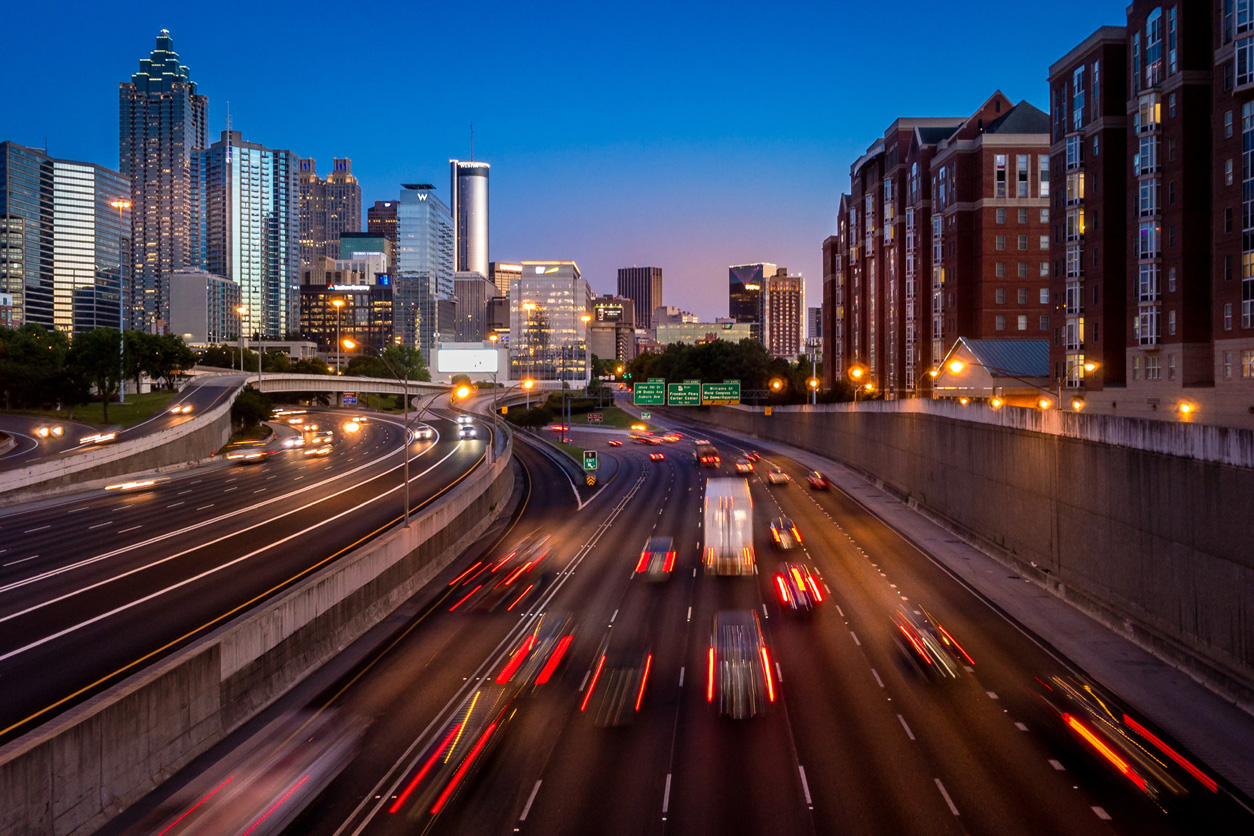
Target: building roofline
1103,35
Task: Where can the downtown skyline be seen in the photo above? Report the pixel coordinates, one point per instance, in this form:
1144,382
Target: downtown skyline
614,166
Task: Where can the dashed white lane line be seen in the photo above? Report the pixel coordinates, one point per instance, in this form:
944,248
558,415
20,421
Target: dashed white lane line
666,795
23,560
805,786
1056,765
765,614
876,674
1021,727
614,616
228,490
779,674
681,677
132,528
991,695
690,610
260,490
183,493
584,684
175,505
948,800
855,638
37,528
99,525
1101,814
839,610
530,799
909,733
205,507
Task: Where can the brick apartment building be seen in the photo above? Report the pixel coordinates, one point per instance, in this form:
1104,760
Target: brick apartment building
945,233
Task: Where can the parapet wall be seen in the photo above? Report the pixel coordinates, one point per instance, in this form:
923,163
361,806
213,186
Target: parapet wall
1158,546
76,772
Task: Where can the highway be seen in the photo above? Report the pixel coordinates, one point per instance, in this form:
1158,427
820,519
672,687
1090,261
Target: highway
96,585
203,393
856,740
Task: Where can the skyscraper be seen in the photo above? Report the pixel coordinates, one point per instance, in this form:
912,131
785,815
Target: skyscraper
745,286
782,321
64,249
468,185
642,285
381,220
328,208
502,273
548,337
249,228
424,269
162,125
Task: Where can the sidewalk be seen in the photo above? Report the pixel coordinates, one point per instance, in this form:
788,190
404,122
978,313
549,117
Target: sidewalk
1216,730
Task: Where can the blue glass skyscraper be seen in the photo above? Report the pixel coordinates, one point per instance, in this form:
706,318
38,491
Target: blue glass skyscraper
424,269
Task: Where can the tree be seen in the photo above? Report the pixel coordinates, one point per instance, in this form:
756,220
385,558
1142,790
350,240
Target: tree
249,408
32,366
309,365
95,355
165,356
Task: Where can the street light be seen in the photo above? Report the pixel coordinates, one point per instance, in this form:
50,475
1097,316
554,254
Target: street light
529,307
241,310
338,303
956,366
868,387
120,204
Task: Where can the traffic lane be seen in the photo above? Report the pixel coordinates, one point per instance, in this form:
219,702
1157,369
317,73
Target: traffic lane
632,761
200,395
195,506
31,446
986,732
399,726
57,649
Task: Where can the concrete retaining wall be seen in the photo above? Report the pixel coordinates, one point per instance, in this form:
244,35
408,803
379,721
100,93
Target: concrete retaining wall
195,439
76,772
1158,546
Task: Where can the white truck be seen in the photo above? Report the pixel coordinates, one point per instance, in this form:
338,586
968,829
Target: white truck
728,528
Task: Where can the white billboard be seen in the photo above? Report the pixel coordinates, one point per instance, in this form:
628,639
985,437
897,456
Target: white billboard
467,360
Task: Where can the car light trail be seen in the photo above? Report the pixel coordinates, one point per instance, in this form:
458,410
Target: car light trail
554,660
464,574
592,687
400,799
519,655
643,680
267,813
766,670
196,805
1105,751
463,600
1206,780
709,687
474,753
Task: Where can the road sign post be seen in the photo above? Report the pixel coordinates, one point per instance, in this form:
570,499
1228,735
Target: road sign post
725,393
589,460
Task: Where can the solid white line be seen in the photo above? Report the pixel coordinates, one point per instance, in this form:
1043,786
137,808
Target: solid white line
530,799
948,800
876,674
805,785
1101,814
855,638
681,677
909,733
666,795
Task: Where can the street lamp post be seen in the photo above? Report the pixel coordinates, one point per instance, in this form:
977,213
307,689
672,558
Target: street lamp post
120,204
351,344
241,310
1044,402
338,303
529,307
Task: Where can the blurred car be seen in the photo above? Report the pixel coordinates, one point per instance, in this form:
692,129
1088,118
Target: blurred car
671,437
98,438
466,431
784,533
426,432
248,452
658,559
797,587
738,665
49,431
639,439
744,467
656,457
507,581
1103,728
138,485
818,481
753,456
558,428
315,436
465,419
641,428
294,441
614,442
620,675
929,645
180,409
537,656
320,449
775,476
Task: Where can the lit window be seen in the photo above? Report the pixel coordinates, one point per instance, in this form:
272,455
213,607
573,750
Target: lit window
1023,323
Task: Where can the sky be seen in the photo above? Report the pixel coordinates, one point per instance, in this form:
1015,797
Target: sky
683,135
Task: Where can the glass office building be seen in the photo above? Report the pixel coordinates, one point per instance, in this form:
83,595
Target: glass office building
423,281
249,228
745,294
548,337
64,249
468,183
162,125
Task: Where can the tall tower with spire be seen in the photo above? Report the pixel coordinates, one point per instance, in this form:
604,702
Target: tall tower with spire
468,185
162,124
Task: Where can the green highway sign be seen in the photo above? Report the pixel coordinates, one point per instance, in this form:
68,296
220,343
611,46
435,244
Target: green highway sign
684,394
589,460
727,392
645,416
652,393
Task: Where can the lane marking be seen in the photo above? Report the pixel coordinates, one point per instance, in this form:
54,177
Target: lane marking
1021,727
765,614
948,800
666,794
779,674
805,785
205,507
991,695
838,609
690,608
681,677
910,735
876,674
132,528
614,616
855,638
1057,766
531,798
99,525
23,560
40,528
584,684
175,505
1101,814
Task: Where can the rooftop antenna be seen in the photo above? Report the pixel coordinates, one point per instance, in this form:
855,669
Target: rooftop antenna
472,142
228,117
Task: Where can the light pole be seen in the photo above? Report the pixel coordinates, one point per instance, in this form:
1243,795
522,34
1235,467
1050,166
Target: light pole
338,303
1045,401
529,307
241,310
813,382
120,204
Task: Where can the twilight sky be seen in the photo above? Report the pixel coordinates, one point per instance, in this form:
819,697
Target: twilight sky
684,135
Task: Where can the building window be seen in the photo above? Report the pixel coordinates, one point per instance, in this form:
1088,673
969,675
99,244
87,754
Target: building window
1044,242
1228,172
1244,56
1023,296
1023,216
1227,365
1075,152
1001,216
1171,367
1227,316
1147,241
1171,41
1023,323
1136,368
1023,269
1171,280
1136,62
1001,242
1171,150
1023,242
1000,268
1247,364
999,167
1228,220
1043,174
1171,322
1171,106
1044,297
999,323
1023,175
1000,295
1153,368
1171,192
1044,216
1044,323
1045,273
1228,123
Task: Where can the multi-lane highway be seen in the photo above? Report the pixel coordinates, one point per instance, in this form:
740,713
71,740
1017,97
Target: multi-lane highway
96,585
857,738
